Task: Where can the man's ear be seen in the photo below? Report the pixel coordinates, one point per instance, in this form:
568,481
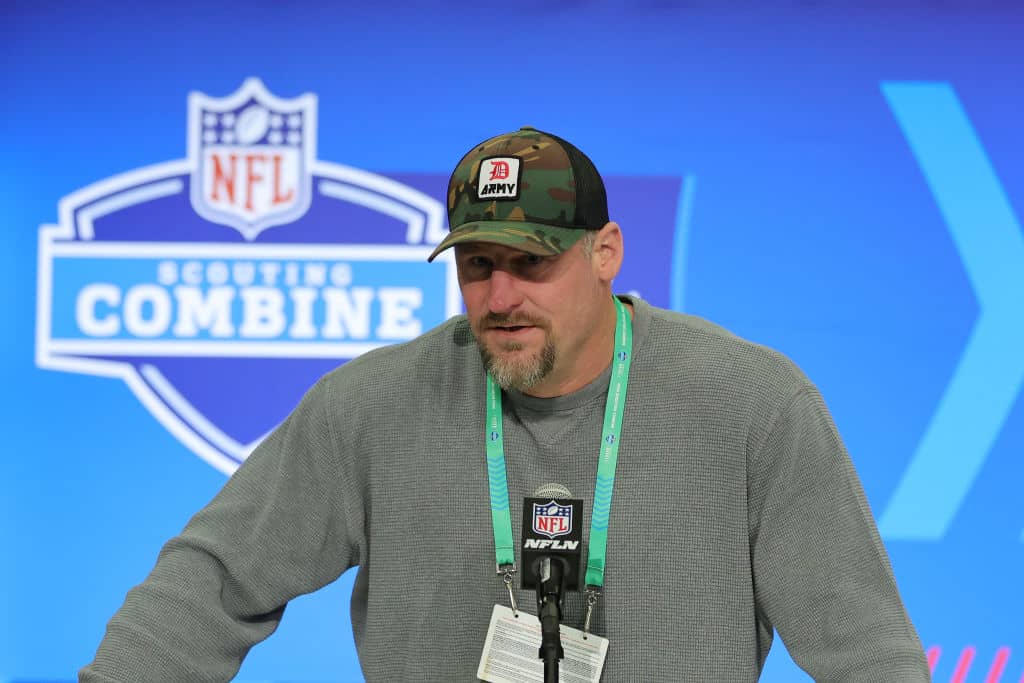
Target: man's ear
607,257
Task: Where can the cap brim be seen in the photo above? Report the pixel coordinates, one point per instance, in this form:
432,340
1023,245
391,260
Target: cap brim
533,238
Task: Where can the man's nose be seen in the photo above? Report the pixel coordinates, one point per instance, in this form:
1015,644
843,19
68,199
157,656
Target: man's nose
504,294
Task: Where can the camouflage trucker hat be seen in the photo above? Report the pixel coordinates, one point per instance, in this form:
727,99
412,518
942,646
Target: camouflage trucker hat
529,190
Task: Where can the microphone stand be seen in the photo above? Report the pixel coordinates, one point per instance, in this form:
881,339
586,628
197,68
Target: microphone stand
551,572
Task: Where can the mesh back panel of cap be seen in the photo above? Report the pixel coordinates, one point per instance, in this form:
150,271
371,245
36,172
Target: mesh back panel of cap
591,200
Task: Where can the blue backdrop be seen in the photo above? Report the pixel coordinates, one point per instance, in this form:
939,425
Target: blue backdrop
839,181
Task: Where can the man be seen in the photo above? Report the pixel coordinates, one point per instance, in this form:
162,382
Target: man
735,508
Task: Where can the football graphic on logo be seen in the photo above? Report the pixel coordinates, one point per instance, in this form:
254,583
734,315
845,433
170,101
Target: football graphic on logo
252,124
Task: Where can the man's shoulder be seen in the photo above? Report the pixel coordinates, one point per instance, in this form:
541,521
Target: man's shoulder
700,349
439,352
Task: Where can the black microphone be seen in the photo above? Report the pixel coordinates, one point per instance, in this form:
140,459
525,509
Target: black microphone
552,536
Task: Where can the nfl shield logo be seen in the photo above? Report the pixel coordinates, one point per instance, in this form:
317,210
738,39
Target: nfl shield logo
551,519
254,152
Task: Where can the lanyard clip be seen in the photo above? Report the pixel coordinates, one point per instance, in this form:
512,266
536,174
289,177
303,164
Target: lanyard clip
593,594
506,571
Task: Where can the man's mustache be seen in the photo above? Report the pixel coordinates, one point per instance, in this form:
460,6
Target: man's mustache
512,320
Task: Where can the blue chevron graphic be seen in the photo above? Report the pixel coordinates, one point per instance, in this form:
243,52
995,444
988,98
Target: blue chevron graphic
681,244
989,375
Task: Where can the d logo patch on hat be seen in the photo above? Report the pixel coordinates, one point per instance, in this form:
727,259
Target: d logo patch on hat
499,178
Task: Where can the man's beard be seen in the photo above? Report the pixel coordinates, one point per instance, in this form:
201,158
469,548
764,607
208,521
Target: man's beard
511,368
519,372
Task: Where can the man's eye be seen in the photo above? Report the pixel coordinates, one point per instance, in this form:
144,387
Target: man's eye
480,262
533,260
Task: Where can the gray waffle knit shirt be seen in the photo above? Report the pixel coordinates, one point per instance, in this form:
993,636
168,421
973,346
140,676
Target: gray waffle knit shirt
736,510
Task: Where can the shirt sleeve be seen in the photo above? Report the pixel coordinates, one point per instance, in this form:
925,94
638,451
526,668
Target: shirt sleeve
279,528
822,576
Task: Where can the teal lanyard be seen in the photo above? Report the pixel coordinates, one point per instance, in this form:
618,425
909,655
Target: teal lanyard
504,551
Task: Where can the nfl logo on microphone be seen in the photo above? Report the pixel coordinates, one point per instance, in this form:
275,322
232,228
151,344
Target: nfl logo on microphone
551,519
